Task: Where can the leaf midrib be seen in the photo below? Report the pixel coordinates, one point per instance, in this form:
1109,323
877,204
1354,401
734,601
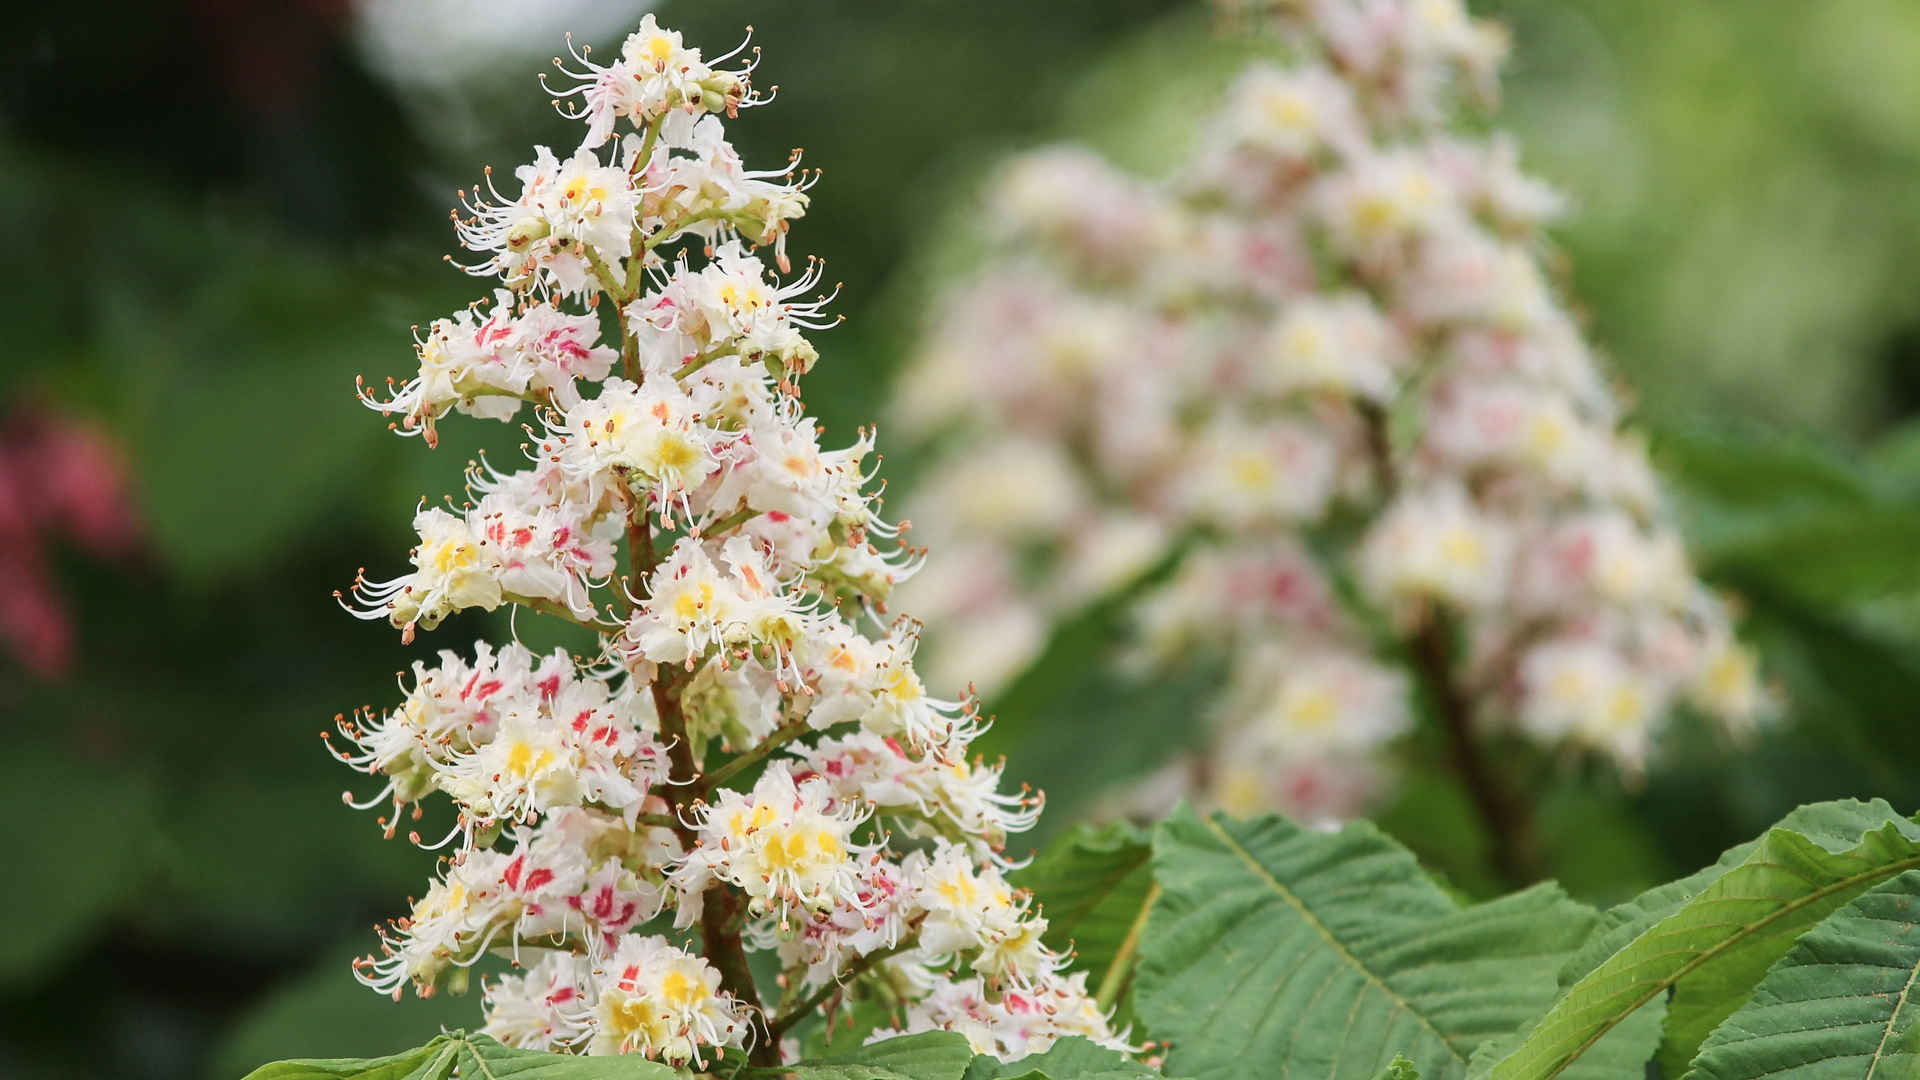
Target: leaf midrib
1893,1017
1326,935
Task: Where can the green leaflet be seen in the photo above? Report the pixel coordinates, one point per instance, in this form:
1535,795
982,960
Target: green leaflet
1326,954
481,1058
933,1055
1835,826
1621,1052
1092,885
476,1057
1711,936
1843,1002
434,1061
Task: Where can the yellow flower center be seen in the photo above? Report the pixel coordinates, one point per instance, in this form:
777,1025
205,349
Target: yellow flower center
524,761
1546,436
689,606
1254,472
904,685
960,890
749,298
1623,708
1314,710
671,452
450,556
679,990
1461,548
1289,111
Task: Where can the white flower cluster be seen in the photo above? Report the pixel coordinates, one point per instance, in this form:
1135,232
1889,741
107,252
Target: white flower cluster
1324,345
730,769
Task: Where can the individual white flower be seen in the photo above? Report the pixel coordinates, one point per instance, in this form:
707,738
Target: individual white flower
972,911
575,747
928,794
1326,702
691,607
730,301
1603,558
778,466
1241,473
787,844
1727,684
1585,691
545,545
900,704
451,925
452,569
450,708
654,73
877,917
655,1000
1434,545
1290,115
1383,202
1482,425
1465,277
568,213
487,367
651,432
541,1008
1247,777
1011,1022
698,187
1340,344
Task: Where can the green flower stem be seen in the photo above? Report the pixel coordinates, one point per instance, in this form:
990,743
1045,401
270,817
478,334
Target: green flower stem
699,362
548,607
781,736
731,521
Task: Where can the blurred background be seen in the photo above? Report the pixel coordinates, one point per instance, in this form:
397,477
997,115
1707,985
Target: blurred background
220,213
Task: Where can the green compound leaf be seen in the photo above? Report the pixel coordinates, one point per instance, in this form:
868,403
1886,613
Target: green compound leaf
1710,937
1843,1002
933,1055
1328,954
1092,885
1068,1059
434,1061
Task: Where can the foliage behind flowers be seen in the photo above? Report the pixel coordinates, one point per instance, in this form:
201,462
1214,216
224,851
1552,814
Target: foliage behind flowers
632,824
1327,348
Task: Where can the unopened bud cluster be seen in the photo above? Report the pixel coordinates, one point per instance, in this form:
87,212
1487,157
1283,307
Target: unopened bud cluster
738,766
1326,346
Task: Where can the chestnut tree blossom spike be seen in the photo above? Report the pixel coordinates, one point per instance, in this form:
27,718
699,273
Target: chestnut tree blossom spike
728,771
1327,345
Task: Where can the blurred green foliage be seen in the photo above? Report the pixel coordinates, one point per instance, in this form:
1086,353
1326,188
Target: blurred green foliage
219,218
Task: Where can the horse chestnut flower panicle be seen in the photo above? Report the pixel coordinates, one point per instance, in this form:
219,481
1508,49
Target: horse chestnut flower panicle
736,752
1325,346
